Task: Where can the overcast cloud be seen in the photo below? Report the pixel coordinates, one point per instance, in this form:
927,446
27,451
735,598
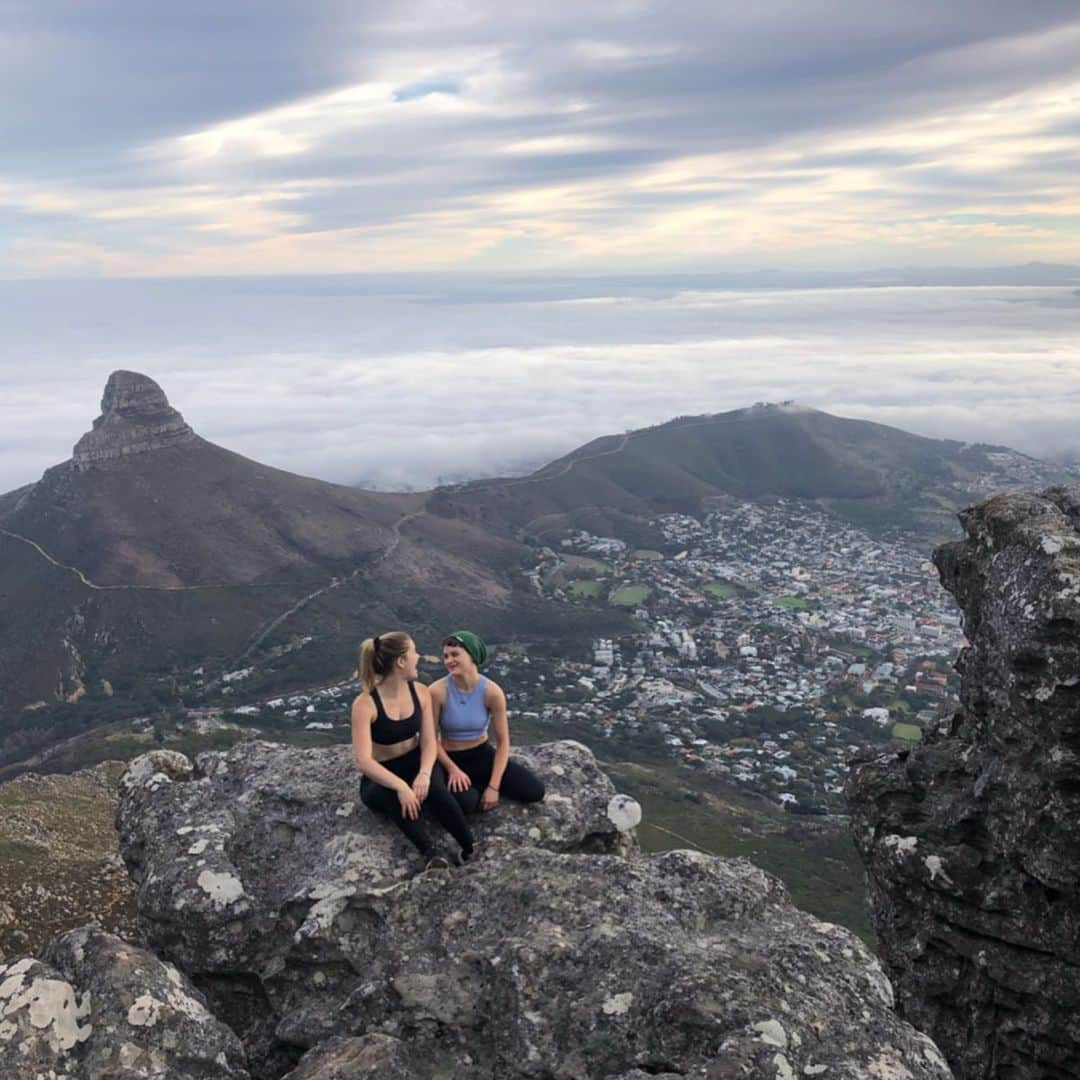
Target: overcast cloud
401,382
327,136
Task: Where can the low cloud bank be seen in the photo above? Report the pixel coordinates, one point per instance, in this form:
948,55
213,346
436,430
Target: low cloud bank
403,383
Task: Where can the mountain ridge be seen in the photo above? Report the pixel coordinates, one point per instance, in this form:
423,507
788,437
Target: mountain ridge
153,552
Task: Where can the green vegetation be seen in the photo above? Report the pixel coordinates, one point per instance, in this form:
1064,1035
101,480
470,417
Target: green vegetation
648,555
815,858
586,562
722,589
818,864
575,567
630,595
586,587
57,848
794,603
909,732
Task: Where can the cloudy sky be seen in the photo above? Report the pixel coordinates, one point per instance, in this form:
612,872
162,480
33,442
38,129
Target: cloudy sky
285,137
394,243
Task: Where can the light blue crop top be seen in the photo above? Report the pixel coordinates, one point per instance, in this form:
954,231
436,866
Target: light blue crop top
464,716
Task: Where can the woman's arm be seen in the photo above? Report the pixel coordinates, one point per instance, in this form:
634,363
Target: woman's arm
428,744
495,702
363,713
456,779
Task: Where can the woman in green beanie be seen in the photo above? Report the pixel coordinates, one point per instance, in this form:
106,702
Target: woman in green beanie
467,707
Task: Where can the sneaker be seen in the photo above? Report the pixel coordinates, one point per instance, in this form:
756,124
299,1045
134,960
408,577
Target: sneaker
437,862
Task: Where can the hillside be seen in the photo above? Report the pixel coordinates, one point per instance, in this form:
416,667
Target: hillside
868,473
144,501
134,575
58,848
152,553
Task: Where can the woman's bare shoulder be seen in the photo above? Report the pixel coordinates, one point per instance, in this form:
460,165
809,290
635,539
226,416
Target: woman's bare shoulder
362,703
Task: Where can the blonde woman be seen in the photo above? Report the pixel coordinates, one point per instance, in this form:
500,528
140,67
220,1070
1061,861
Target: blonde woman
393,738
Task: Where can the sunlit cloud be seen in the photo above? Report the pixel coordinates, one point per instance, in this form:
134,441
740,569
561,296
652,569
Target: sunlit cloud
478,136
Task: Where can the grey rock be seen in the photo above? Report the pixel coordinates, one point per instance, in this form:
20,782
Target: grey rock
559,951
136,417
971,839
97,1008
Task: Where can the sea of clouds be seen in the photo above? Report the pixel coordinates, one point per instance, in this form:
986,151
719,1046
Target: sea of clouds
404,381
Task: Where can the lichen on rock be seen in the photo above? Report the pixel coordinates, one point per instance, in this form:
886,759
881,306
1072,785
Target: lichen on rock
559,950
98,1008
971,838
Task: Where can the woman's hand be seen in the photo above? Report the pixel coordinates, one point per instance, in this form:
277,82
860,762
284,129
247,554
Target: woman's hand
490,798
421,785
410,804
458,779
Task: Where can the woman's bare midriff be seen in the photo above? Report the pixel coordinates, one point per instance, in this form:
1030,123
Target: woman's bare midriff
388,751
463,744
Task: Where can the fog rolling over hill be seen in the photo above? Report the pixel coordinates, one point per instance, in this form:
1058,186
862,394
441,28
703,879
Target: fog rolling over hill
152,553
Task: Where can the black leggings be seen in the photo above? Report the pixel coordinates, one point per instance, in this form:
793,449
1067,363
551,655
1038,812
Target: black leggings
518,783
439,801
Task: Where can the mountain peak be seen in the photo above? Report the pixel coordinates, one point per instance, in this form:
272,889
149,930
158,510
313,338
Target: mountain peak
136,417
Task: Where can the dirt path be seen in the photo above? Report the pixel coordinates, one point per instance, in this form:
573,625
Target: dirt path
334,583
106,588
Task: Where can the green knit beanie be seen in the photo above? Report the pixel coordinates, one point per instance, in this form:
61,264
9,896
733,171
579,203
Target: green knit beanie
474,645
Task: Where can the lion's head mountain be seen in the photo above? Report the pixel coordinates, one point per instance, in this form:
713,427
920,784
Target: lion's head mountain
152,550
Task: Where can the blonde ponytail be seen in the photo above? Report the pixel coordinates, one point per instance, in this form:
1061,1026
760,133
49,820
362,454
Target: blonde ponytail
367,664
378,654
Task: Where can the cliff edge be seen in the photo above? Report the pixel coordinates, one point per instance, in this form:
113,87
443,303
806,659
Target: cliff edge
972,838
289,921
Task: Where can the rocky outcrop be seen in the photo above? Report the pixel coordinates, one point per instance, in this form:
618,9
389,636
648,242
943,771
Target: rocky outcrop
972,838
136,417
559,951
97,1008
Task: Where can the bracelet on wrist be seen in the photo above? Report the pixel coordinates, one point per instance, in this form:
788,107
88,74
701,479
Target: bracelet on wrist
425,772
492,787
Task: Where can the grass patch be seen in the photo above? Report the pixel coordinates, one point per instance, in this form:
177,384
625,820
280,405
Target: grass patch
630,595
793,603
584,587
577,566
722,589
822,871
648,555
909,732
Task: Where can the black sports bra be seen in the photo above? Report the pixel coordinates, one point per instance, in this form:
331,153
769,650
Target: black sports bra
387,731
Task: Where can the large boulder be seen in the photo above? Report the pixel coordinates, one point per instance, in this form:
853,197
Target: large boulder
559,951
972,838
97,1008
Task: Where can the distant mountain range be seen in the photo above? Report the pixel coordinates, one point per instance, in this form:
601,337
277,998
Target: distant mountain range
152,551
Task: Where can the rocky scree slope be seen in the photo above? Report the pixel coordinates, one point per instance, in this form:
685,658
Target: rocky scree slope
971,839
308,927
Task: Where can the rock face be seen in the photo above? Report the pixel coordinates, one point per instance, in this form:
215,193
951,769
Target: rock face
972,838
97,1008
136,417
559,951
